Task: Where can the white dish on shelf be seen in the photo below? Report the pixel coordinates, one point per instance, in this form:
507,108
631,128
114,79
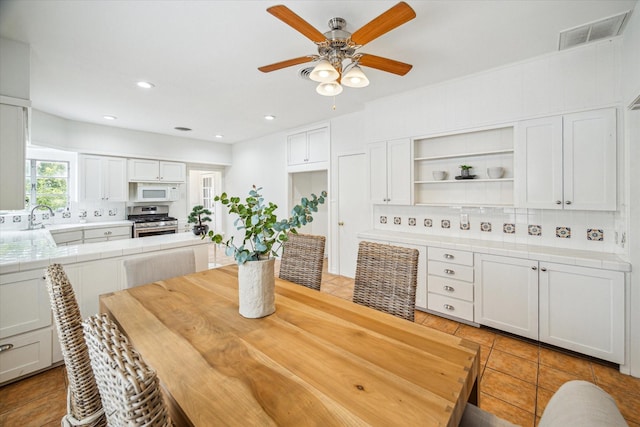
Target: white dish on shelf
495,172
439,175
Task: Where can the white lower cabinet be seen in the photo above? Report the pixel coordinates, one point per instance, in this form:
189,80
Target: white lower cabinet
576,308
582,309
450,283
93,235
506,294
25,353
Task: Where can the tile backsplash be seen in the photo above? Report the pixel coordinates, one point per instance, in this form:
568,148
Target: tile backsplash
77,213
593,231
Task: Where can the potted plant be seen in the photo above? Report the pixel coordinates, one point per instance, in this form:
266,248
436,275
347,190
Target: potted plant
196,217
263,236
464,170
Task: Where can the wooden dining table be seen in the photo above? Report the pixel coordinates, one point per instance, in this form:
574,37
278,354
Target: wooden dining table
318,360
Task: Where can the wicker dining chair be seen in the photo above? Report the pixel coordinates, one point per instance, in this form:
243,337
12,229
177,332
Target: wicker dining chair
302,260
130,389
386,279
152,268
84,407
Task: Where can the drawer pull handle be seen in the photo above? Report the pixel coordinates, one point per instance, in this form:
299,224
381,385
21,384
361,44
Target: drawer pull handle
543,269
448,288
448,271
6,347
449,256
534,268
449,307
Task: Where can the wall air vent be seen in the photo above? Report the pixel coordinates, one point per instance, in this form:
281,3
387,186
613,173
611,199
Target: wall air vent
602,29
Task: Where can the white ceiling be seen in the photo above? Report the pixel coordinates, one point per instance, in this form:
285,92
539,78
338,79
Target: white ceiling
203,56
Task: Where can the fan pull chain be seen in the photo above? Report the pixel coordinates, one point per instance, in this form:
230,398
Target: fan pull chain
333,107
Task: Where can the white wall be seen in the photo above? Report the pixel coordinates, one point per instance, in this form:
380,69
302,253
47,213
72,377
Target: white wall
630,90
14,69
55,132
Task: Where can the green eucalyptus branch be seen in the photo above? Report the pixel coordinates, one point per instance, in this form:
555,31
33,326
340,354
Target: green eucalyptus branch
264,233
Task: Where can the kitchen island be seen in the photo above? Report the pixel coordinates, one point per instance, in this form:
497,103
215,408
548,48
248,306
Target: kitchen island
28,340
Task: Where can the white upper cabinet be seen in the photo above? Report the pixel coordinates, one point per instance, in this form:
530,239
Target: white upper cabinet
308,150
143,170
13,137
567,162
390,172
103,178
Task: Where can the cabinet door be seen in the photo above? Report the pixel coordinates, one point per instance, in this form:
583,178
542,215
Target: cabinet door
318,145
377,156
399,172
173,172
506,294
13,139
582,309
297,149
142,170
590,160
91,178
24,303
538,163
115,179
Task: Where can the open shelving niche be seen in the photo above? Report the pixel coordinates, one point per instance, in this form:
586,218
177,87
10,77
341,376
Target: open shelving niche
481,149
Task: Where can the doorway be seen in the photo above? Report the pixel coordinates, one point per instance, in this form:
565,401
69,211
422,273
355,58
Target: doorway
303,184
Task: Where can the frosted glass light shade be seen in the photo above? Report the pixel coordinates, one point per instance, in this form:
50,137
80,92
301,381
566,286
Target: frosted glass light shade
355,78
329,89
324,72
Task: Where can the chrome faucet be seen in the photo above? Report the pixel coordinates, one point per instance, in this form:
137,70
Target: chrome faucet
32,217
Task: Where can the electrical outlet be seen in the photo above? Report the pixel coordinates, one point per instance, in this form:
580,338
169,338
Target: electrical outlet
464,218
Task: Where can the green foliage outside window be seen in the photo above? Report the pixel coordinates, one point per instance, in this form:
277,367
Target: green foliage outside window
47,182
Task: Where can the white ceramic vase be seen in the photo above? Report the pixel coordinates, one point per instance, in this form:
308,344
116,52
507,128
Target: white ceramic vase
256,288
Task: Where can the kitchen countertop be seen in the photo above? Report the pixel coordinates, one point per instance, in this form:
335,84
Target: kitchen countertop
607,261
29,249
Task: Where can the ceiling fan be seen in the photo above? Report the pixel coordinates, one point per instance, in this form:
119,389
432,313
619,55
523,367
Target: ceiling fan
337,45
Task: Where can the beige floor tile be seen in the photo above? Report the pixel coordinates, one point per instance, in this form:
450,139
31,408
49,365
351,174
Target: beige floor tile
506,410
517,347
420,316
551,378
479,335
509,389
567,363
513,365
441,324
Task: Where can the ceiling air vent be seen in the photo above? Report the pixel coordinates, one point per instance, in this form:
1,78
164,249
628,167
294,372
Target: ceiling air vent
635,105
305,72
602,29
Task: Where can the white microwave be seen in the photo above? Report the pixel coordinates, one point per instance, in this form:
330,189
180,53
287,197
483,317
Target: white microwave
157,193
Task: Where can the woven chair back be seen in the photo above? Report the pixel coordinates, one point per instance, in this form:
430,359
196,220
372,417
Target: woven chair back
302,260
163,266
84,407
386,279
129,388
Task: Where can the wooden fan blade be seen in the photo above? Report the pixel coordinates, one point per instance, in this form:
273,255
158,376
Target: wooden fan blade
287,16
285,64
384,64
392,18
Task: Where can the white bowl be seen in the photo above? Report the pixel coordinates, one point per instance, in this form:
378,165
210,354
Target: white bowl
495,172
439,175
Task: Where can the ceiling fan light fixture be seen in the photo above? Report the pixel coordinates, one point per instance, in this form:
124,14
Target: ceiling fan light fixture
329,88
355,78
324,72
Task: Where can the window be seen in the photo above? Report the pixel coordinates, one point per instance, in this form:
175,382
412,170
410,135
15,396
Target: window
47,183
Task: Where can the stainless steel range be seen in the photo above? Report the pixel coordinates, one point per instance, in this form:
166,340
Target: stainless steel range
152,221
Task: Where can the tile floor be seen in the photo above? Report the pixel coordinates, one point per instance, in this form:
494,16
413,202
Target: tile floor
518,377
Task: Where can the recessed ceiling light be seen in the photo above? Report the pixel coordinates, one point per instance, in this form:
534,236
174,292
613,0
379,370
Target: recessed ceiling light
269,117
109,117
218,136
145,85
183,129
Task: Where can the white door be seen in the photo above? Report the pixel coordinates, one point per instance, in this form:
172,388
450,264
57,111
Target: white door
506,294
538,163
353,211
590,160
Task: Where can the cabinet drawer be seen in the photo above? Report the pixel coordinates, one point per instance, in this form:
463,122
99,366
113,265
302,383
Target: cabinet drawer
451,288
452,271
24,354
451,256
94,233
451,306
